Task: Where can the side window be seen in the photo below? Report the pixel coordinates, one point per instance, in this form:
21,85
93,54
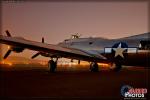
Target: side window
90,43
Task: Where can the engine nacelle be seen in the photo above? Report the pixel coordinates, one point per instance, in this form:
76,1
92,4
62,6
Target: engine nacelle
17,49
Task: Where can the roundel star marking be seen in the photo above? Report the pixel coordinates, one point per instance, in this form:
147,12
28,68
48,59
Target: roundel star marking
119,51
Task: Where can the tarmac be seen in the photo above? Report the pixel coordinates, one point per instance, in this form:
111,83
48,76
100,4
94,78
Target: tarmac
69,84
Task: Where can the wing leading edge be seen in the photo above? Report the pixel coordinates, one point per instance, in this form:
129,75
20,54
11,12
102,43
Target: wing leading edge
56,50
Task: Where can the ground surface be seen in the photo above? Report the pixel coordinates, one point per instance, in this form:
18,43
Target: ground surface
69,84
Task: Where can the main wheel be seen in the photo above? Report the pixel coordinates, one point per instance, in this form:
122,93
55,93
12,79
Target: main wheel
94,67
52,65
118,67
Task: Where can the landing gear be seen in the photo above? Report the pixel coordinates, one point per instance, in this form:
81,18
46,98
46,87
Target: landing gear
118,66
52,65
94,67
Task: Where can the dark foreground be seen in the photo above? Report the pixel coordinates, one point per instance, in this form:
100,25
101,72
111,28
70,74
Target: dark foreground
27,84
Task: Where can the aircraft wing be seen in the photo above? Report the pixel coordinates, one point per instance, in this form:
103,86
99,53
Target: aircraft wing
57,50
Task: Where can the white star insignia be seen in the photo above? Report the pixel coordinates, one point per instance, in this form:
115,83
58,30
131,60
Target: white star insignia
119,51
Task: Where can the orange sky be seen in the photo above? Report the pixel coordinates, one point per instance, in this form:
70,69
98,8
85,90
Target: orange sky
56,21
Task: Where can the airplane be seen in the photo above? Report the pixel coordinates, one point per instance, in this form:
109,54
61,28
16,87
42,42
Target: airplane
132,50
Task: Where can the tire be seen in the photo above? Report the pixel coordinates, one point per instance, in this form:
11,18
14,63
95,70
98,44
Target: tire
94,67
52,66
118,67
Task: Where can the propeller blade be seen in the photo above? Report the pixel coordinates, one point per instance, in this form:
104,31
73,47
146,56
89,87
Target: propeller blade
8,34
7,54
35,55
42,39
78,61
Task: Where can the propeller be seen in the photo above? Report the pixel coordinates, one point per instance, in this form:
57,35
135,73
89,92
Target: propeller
38,53
35,55
42,39
16,49
8,34
7,54
9,50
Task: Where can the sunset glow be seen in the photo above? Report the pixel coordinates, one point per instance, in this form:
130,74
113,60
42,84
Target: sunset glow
56,21
104,65
6,62
8,47
44,63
